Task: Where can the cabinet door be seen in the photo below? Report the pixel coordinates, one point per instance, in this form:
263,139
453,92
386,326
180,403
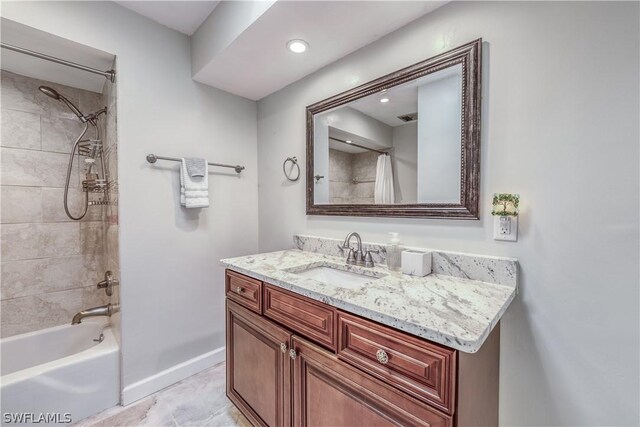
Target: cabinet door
329,392
258,367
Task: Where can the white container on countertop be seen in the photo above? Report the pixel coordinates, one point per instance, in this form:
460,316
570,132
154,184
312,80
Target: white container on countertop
394,253
416,263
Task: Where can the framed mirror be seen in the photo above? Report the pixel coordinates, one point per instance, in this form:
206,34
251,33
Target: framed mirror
404,145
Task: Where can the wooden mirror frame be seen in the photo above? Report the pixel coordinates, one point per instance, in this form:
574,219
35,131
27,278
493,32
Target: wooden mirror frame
470,56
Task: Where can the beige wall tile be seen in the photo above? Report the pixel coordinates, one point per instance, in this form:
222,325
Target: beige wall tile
20,129
364,190
340,166
31,313
53,205
365,165
27,241
340,189
59,135
35,168
92,238
91,102
93,297
37,276
21,204
21,93
35,312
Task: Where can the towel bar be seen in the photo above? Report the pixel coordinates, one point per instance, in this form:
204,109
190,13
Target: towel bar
152,158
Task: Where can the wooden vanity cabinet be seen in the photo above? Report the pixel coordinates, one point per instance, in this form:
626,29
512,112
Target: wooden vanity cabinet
299,362
258,367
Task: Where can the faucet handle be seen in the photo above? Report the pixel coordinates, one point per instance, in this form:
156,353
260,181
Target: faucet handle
368,259
108,283
351,257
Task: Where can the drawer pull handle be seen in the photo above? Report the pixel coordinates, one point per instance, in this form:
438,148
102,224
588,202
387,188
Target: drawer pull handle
293,354
382,356
239,290
283,347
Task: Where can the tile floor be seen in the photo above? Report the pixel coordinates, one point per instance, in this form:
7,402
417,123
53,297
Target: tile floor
199,400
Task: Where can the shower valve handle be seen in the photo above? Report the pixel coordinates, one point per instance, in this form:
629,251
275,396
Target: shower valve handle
108,283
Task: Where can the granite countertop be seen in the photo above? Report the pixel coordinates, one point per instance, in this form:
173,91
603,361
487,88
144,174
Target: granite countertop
456,312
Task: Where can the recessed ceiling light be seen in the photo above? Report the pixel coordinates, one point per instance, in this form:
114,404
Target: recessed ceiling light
383,100
297,45
348,141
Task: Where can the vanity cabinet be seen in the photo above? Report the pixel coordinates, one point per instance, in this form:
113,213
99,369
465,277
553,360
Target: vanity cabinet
258,367
294,361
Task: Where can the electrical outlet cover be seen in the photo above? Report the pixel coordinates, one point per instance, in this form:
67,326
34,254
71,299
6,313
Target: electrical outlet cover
505,228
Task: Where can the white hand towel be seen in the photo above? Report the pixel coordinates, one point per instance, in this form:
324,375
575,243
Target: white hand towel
194,191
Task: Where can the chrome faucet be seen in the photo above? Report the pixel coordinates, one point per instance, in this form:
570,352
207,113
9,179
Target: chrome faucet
358,256
354,257
102,310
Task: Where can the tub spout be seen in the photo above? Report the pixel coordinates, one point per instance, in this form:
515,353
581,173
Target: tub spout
103,310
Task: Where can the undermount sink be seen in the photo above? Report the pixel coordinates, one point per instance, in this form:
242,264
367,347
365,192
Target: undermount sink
336,277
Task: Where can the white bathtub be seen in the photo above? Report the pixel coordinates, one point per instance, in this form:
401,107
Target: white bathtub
59,374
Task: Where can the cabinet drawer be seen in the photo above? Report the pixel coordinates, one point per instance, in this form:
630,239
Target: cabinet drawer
305,316
244,290
418,367
329,392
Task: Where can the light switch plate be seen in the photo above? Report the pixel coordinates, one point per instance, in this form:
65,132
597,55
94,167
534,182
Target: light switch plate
505,228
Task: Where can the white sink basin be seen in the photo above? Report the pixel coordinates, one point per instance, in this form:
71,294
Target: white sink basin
335,277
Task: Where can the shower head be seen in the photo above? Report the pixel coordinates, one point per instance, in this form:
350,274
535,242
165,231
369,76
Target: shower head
52,93
49,92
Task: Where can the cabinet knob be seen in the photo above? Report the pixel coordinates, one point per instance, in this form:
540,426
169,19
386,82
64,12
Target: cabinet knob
293,354
283,347
382,356
239,290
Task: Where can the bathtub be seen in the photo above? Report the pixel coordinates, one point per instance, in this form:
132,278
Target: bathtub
59,375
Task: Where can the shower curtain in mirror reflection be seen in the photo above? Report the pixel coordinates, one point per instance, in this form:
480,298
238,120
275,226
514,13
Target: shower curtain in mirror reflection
384,181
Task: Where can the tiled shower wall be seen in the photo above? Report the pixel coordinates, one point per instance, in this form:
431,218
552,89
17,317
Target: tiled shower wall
50,264
352,177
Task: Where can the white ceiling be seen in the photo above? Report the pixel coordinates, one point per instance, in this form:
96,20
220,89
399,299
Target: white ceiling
183,16
403,99
20,35
257,63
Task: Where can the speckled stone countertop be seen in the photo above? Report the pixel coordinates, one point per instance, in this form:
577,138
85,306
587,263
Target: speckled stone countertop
456,312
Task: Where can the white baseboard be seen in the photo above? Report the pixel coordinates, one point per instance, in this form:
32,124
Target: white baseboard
172,375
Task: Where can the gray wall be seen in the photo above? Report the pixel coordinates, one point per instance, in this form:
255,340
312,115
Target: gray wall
172,291
405,167
560,127
439,133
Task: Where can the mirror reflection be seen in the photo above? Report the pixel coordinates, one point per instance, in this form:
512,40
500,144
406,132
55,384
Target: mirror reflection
397,146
